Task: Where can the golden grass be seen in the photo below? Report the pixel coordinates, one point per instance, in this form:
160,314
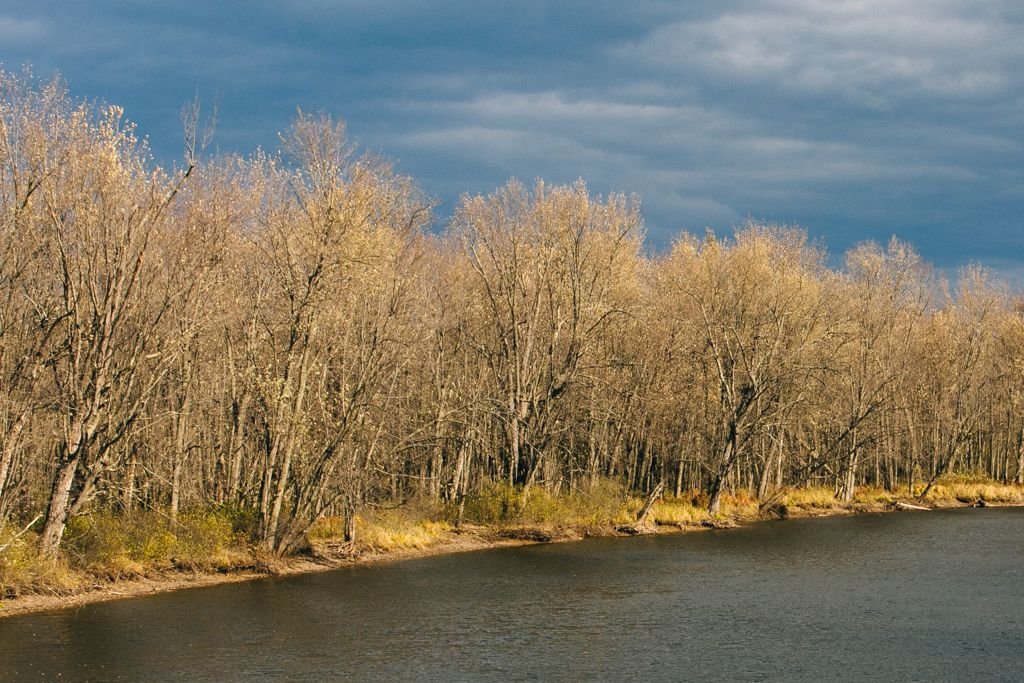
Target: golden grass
417,526
110,547
328,529
23,570
811,498
604,503
968,490
388,532
873,496
679,511
692,509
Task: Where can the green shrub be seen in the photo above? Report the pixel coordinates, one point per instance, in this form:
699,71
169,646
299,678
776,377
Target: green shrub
208,538
494,503
244,520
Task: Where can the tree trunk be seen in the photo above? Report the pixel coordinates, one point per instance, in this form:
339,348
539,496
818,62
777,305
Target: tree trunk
645,511
179,462
9,445
715,501
180,453
57,512
770,469
679,477
1020,457
236,446
128,500
455,487
350,521
849,480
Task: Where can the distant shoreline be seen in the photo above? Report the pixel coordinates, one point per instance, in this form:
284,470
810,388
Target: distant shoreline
468,538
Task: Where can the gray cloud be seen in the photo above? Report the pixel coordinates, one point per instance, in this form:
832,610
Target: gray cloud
856,120
872,53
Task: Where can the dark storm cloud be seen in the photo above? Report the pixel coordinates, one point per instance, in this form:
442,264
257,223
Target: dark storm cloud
856,120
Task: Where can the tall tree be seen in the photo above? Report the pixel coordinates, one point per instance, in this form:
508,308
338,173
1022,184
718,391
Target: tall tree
547,266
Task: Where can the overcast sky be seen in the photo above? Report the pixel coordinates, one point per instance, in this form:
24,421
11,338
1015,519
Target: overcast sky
855,120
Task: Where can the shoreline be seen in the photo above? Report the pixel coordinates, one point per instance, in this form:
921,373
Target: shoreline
469,538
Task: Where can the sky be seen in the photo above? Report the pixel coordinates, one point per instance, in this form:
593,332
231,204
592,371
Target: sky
855,120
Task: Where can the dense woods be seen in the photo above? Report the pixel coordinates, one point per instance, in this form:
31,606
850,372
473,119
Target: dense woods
292,335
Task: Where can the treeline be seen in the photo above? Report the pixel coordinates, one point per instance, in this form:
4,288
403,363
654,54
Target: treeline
282,333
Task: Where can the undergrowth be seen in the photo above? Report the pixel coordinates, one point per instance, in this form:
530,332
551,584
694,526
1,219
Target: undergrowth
415,525
103,546
499,504
970,489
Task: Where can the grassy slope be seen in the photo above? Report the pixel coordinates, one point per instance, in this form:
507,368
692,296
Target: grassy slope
107,556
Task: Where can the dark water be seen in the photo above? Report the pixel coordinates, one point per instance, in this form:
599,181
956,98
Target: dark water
911,596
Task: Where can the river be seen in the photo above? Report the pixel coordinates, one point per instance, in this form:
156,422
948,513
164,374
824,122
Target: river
906,596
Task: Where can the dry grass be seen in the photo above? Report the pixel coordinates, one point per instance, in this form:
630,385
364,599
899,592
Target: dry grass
23,570
741,505
126,546
106,547
393,532
692,509
416,526
969,489
822,498
874,496
812,498
683,511
605,503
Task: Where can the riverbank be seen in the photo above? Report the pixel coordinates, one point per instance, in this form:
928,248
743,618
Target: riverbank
390,536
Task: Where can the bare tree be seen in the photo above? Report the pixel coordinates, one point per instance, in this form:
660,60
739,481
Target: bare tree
754,311
547,265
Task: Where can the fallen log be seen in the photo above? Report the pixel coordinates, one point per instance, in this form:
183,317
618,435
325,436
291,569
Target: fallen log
899,505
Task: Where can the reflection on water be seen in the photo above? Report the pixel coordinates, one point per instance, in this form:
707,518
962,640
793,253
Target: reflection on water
925,596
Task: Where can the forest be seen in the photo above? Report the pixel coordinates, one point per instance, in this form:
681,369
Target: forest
295,335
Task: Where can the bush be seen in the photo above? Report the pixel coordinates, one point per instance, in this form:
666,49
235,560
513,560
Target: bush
244,521
23,570
209,538
873,495
121,546
415,524
390,531
494,503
